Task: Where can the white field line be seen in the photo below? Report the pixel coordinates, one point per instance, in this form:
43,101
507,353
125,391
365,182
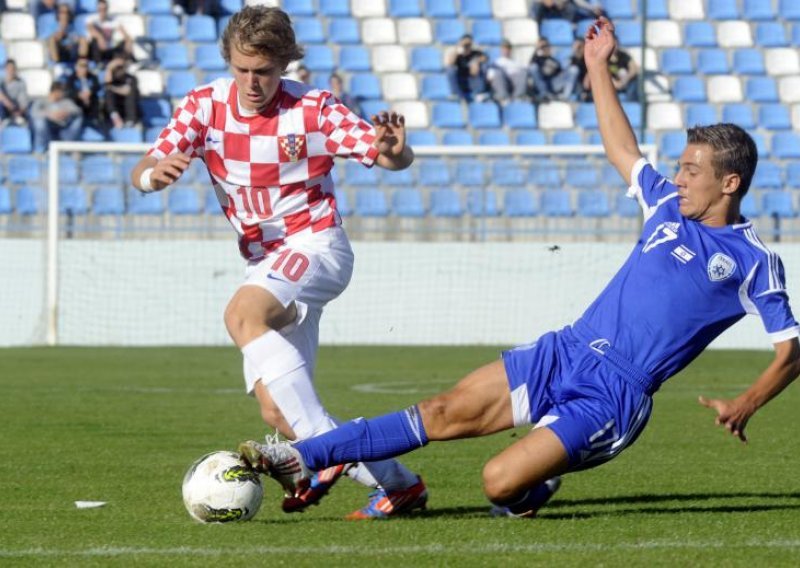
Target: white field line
393,550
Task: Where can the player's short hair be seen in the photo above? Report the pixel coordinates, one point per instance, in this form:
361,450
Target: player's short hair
735,151
262,30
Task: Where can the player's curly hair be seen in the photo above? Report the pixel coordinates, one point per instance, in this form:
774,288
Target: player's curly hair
735,151
261,30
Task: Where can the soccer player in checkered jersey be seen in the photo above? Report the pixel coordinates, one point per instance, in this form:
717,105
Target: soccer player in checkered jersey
269,144
697,268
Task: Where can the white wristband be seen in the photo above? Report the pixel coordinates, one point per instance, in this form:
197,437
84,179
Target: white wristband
144,181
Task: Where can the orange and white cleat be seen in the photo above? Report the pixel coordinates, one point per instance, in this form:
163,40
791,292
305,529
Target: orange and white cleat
384,504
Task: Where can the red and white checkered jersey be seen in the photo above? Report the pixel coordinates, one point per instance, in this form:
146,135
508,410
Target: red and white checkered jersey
271,171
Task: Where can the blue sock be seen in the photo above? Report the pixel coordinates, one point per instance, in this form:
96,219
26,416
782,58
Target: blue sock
528,503
362,439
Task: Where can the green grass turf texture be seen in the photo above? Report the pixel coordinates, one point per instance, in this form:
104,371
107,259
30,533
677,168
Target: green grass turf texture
123,425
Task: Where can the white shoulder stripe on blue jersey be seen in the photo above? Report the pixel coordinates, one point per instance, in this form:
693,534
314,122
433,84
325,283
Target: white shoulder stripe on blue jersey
775,283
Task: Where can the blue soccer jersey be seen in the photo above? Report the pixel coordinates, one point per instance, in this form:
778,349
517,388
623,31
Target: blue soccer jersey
684,284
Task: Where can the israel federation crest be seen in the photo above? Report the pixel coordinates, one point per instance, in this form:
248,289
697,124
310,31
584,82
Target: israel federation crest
720,267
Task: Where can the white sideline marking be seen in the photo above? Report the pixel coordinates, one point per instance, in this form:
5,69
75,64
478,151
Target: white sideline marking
403,387
371,551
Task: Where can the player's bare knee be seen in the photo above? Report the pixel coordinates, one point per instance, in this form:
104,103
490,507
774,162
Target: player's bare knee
497,485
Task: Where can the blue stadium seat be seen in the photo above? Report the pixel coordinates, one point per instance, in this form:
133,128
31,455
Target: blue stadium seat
222,23
445,202
435,87
712,62
482,203
470,172
179,83
545,174
67,170
357,175
689,89
126,134
494,137
672,144
343,205
627,207
457,138
408,202
792,176
319,58
145,203
299,7
567,137
90,133
518,114
208,58
343,31
487,32
448,31
85,6
99,169
583,26
72,200
365,86
786,145
629,33
440,9
427,59
633,111
508,173
723,10
172,55
769,175
700,34
164,28
557,203
761,90
484,115
758,10
16,140
309,30
774,116
749,206
398,178
211,204
46,25
421,138
155,112
6,207
404,9
583,177
593,203
531,138
558,32
761,144
740,114
476,8
789,9
586,116
26,169
372,107
434,172
155,7
334,8
771,34
201,28
778,204
228,7
152,133
657,10
30,200
519,203
748,61
354,58
676,61
702,114
619,9
183,200
448,115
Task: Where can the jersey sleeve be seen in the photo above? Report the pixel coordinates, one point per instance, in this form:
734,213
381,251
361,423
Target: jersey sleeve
346,134
768,298
648,186
185,131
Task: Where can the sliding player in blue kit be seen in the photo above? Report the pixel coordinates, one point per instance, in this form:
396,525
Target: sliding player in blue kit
697,268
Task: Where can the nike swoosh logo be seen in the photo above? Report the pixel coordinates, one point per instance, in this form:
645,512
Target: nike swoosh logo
273,277
211,140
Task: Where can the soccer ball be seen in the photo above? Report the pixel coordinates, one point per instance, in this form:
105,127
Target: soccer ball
221,488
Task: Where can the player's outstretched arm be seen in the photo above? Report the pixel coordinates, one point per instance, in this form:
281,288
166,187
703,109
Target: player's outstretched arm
615,129
390,140
151,174
734,414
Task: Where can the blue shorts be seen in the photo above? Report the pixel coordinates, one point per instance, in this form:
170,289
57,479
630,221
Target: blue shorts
558,383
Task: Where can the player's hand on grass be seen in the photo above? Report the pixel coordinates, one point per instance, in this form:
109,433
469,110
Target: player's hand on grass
600,42
167,171
391,133
732,414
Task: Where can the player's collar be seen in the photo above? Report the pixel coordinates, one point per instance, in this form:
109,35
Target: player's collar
233,102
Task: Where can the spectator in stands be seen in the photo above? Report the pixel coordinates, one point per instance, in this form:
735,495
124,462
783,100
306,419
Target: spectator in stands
580,87
192,7
507,77
56,117
550,79
14,99
122,94
102,32
572,10
39,7
625,74
64,44
466,70
84,88
336,86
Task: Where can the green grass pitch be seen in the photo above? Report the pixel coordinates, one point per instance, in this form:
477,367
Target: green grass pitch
123,425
